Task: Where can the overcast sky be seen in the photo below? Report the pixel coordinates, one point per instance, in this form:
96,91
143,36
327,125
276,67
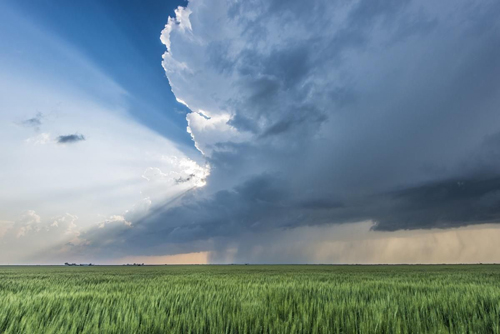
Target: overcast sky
263,131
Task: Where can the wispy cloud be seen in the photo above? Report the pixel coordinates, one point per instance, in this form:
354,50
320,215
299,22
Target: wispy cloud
34,122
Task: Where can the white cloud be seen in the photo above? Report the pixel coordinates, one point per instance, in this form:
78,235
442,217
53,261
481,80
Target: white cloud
41,139
165,34
153,173
30,221
207,132
31,236
182,18
182,102
113,220
180,21
179,170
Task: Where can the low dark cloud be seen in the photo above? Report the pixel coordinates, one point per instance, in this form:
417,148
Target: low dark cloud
70,139
443,204
265,204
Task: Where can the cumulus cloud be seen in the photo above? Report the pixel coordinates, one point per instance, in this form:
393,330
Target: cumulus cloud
114,219
30,237
69,139
329,112
346,101
180,170
41,139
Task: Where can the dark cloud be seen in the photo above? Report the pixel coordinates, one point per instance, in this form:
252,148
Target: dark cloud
266,203
184,179
69,139
442,204
374,110
34,122
243,123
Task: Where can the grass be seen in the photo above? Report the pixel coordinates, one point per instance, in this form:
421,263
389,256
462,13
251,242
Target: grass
250,299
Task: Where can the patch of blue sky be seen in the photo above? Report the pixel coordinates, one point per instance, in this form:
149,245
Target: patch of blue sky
119,38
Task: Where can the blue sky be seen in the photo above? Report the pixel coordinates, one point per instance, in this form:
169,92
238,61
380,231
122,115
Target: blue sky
263,131
121,40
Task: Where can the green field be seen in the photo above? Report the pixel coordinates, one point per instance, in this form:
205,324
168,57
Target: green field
250,299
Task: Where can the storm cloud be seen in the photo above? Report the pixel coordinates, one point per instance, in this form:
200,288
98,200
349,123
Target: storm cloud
330,112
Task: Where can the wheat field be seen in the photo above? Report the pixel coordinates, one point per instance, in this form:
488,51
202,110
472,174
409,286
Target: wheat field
250,299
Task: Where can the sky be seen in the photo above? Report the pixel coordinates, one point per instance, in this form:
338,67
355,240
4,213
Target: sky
256,131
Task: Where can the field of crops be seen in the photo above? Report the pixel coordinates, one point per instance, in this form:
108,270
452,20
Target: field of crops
250,299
